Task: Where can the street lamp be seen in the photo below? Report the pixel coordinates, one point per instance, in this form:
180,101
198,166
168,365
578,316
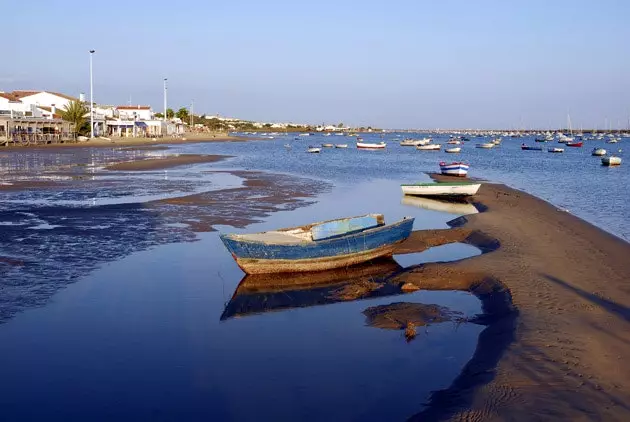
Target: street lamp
91,97
165,79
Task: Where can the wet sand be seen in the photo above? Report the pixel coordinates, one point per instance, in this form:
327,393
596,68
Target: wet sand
166,162
564,356
189,138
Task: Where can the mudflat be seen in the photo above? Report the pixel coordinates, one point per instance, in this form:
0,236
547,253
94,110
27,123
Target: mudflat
166,162
565,355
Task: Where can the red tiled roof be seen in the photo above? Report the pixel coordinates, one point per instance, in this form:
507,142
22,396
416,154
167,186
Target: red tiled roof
138,107
12,98
27,93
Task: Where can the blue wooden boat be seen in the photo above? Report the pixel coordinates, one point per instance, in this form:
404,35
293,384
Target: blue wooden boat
318,246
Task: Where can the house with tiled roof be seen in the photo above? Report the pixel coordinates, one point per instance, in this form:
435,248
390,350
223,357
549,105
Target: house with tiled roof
44,98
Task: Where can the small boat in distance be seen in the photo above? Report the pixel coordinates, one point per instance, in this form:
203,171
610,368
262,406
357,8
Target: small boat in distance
317,246
314,150
453,150
611,161
414,142
341,145
443,189
486,145
526,147
327,145
555,150
598,152
576,144
365,145
454,169
429,147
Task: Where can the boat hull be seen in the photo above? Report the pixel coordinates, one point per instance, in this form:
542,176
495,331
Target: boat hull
455,169
342,251
441,189
361,145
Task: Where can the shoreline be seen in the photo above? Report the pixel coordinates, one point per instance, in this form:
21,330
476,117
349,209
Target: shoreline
189,138
563,355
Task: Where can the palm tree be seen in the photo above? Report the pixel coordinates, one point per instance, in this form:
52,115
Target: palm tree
75,112
182,113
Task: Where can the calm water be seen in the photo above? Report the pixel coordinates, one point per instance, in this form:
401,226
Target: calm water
112,309
573,180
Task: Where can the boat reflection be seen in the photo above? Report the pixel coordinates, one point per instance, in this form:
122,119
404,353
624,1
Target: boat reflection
451,207
260,293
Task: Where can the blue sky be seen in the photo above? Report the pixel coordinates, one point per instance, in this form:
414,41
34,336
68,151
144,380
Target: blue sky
395,64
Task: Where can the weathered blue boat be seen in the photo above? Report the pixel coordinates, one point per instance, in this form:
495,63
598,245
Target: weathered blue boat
318,246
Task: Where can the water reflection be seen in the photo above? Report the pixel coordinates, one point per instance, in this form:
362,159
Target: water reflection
260,293
451,207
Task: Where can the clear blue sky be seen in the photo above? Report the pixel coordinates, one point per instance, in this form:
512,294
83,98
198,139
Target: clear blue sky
396,64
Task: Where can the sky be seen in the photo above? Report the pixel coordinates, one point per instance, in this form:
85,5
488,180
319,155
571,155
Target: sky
390,64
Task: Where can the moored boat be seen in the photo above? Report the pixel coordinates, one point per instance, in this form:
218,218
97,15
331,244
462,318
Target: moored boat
327,145
414,142
555,150
365,145
454,169
598,152
318,246
313,150
444,189
526,147
341,145
575,144
453,150
429,147
611,161
486,145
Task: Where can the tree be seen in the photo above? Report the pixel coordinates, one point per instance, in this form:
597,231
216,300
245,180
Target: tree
75,113
182,113
169,113
340,125
159,115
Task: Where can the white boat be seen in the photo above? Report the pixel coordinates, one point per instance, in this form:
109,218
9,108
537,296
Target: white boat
429,147
454,142
496,141
611,161
414,142
365,145
598,152
341,145
327,145
445,189
556,150
304,134
287,146
486,145
451,207
612,141
453,150
454,169
313,150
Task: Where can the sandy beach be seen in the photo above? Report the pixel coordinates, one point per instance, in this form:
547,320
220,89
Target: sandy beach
564,356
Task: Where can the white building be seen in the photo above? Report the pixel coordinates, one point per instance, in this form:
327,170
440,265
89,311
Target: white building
135,112
44,98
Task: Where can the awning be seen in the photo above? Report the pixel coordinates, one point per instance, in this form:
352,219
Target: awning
141,124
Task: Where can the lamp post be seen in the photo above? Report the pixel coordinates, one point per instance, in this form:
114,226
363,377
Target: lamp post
91,97
165,79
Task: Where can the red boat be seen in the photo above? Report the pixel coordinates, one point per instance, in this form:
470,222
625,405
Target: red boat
574,144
